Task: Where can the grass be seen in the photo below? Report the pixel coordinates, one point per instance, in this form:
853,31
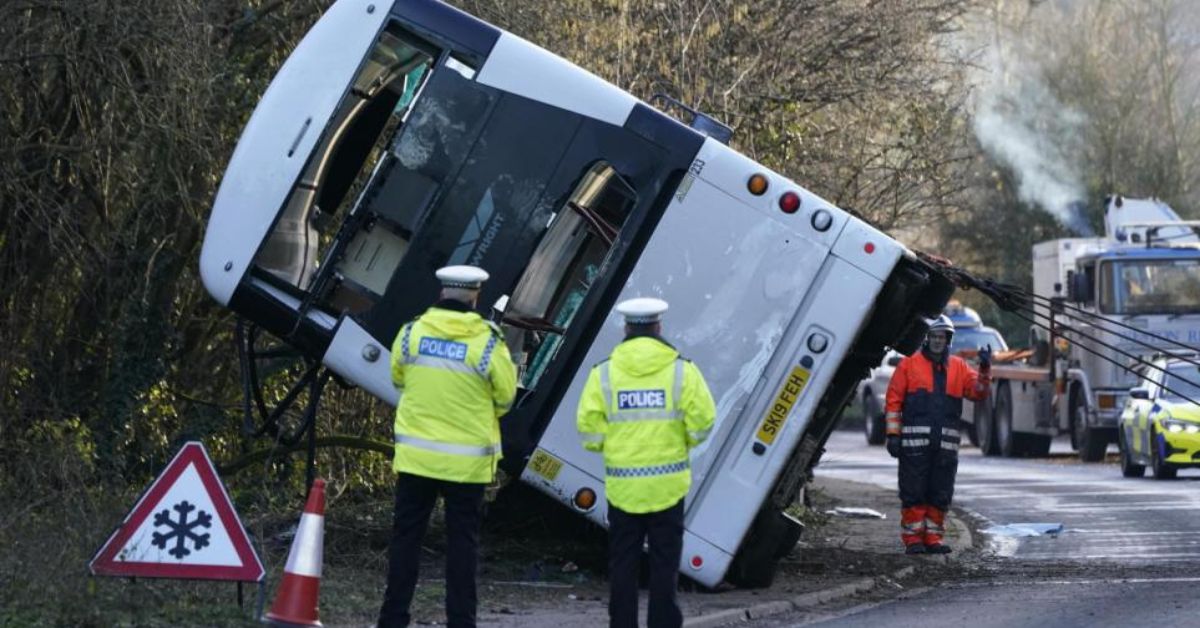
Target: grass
43,568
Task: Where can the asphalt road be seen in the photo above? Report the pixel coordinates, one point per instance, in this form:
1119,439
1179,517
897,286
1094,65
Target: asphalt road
1129,554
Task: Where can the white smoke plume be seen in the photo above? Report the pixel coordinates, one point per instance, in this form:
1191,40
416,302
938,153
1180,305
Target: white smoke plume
1021,124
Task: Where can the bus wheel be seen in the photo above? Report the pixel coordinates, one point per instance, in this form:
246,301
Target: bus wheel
772,536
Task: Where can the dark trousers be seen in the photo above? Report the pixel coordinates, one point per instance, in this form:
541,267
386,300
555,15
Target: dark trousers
626,533
415,498
926,473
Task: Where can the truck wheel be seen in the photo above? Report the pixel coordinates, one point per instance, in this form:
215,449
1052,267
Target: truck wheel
985,428
873,419
1091,442
1162,470
1006,441
1128,468
771,537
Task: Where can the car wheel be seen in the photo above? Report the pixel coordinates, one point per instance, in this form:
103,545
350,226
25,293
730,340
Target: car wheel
1162,469
1129,469
873,420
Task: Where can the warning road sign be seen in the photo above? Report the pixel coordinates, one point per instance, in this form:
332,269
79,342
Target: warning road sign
184,526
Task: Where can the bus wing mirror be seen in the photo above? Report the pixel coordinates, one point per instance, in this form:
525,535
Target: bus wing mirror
1139,393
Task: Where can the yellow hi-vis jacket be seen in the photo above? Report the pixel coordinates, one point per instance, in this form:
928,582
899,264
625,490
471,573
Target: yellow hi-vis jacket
645,408
456,379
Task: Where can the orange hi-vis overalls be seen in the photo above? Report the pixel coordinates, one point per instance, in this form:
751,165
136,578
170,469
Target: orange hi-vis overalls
924,406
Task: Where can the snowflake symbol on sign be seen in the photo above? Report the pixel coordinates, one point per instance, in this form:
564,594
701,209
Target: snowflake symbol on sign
181,530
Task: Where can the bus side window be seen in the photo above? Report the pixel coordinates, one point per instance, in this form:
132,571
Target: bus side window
563,268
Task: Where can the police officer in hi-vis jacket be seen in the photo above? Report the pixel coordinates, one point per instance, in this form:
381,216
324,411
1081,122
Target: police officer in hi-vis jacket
645,408
924,410
456,380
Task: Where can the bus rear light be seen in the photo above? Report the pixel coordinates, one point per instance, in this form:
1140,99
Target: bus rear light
757,185
822,220
585,498
869,247
789,202
696,562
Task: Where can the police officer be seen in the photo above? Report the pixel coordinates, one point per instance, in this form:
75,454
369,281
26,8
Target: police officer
455,379
644,408
924,409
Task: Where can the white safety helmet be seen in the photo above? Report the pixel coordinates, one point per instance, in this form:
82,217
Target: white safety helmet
942,323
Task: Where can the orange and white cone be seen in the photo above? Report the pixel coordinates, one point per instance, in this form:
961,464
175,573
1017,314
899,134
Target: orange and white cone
296,599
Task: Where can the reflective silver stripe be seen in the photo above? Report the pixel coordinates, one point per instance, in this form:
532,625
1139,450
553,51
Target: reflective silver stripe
643,472
915,526
486,358
304,559
892,415
446,448
699,435
950,446
590,437
442,363
621,416
605,389
678,382
917,429
933,527
949,432
915,442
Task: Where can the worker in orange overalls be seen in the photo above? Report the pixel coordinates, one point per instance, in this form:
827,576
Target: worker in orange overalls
924,406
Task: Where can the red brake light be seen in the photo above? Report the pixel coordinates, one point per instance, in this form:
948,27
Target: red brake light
697,562
869,247
789,202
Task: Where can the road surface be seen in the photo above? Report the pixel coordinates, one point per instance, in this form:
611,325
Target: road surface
1129,554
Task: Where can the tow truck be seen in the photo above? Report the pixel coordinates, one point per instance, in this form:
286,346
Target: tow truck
1075,377
402,136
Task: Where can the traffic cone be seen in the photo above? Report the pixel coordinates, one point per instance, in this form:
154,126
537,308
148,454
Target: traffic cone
296,600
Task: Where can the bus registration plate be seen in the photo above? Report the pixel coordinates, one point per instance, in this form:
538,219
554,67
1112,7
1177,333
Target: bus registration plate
545,465
772,424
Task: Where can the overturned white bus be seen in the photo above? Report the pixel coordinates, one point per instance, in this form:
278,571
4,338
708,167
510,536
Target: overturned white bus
404,136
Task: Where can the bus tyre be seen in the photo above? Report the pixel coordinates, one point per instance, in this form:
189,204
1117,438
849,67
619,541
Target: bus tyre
873,419
772,536
1006,441
985,427
1162,469
1091,442
1128,468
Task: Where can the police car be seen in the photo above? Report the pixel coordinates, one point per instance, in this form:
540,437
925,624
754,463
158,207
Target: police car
1159,427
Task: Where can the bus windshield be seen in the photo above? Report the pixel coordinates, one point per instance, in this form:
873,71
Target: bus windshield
1151,287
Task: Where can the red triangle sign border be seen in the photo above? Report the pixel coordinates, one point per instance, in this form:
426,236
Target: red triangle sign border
193,454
